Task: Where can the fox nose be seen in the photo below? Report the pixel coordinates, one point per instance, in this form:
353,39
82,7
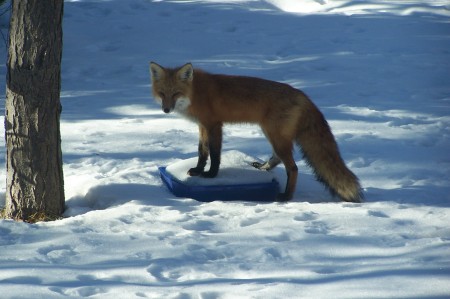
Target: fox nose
166,110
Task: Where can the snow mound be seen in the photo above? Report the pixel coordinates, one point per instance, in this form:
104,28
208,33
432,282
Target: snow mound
235,169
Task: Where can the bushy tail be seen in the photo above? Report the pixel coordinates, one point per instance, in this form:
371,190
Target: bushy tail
322,154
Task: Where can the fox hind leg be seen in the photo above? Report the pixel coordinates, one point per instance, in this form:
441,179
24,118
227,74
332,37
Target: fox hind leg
292,173
282,146
273,161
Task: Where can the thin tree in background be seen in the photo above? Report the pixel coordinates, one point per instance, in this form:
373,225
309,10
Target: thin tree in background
34,183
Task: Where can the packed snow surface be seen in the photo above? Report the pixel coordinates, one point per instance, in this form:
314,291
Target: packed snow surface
380,72
233,165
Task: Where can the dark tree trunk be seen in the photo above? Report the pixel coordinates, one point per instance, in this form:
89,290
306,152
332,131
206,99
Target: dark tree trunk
35,184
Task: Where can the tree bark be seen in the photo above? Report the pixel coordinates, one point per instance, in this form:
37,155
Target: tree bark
35,183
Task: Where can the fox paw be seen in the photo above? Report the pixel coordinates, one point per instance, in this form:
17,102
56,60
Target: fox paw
283,197
208,174
257,164
196,171
262,166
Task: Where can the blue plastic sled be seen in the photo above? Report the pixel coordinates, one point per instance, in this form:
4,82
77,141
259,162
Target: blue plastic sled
260,192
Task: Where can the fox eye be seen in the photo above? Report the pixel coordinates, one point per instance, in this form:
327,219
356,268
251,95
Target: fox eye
162,95
177,94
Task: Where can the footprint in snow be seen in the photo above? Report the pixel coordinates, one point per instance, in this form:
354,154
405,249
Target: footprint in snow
377,214
326,270
85,292
81,292
283,237
308,216
58,254
158,272
249,222
317,227
7,237
211,213
273,253
201,225
210,295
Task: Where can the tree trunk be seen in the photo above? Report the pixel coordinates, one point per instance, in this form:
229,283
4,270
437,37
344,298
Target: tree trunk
34,183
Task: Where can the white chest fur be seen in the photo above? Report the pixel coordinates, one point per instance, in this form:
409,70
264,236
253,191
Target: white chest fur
182,104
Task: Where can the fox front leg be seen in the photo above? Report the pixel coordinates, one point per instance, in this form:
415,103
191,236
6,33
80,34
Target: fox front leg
203,153
215,147
210,144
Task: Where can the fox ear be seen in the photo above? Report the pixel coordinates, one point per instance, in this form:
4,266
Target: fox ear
186,72
157,71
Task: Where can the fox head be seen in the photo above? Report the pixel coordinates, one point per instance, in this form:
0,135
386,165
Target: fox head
171,87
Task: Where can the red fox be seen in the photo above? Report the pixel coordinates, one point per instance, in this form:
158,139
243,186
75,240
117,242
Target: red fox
285,115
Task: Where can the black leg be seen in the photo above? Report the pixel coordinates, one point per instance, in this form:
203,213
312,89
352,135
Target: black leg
215,147
203,153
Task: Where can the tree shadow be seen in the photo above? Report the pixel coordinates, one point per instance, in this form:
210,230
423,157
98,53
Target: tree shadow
437,196
103,197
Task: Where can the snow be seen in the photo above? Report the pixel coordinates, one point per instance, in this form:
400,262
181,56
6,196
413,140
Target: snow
233,164
380,72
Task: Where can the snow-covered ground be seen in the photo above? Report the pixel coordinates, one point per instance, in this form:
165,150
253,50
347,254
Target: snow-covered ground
380,72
